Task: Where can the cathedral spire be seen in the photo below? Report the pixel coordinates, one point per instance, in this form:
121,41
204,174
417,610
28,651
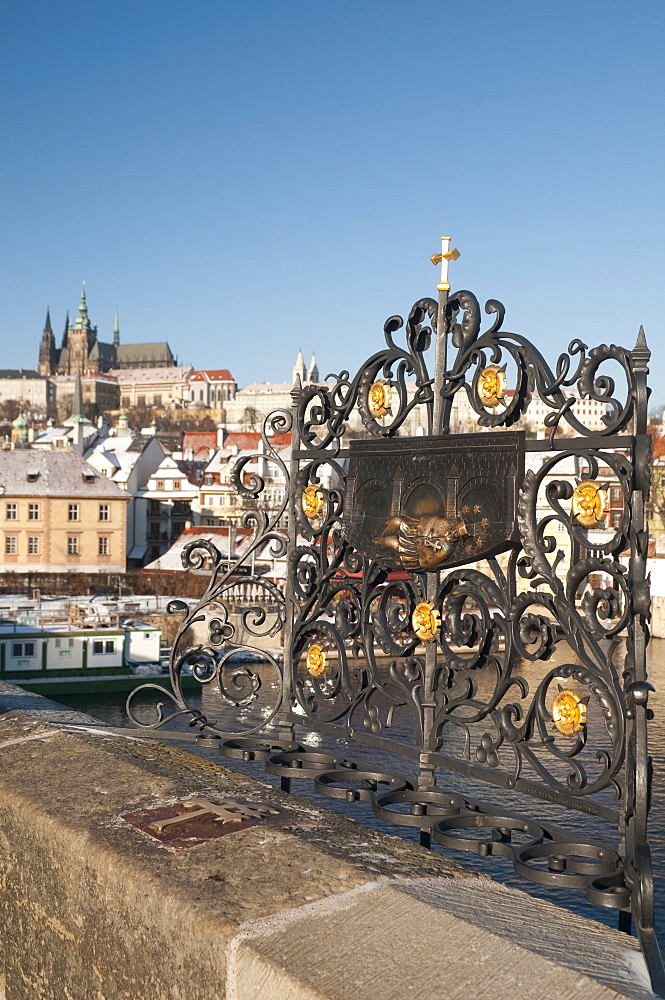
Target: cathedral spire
313,373
299,370
116,331
82,320
77,404
47,352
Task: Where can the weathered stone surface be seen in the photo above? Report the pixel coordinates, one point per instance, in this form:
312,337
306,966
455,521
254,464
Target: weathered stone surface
391,945
93,909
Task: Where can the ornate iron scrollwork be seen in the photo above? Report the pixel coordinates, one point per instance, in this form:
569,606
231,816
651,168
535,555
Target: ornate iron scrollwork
410,625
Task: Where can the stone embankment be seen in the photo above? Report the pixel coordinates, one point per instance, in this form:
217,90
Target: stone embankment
302,905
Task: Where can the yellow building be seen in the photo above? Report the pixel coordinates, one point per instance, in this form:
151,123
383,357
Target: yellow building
58,515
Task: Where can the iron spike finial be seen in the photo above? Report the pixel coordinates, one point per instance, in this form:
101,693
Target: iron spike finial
641,353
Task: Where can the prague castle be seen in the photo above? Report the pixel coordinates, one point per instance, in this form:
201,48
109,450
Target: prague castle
82,353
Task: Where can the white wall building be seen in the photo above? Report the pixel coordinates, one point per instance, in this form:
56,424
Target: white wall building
211,388
129,460
159,388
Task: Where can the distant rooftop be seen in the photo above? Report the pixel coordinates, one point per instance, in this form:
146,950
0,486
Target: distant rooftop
20,373
151,375
32,473
136,353
212,375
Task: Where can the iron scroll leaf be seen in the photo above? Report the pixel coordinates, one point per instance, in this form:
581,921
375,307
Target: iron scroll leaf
430,503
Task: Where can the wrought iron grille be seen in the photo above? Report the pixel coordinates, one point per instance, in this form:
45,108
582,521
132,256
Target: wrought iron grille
426,575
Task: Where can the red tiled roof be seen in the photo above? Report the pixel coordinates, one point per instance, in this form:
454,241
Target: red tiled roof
196,439
214,375
249,440
214,529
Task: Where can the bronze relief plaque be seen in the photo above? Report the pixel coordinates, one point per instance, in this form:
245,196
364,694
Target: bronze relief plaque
428,503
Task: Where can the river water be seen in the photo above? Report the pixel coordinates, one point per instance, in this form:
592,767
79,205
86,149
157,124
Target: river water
110,710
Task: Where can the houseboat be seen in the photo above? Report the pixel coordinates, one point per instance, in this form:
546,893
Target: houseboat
55,659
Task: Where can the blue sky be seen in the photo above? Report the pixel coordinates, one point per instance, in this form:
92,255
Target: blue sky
244,179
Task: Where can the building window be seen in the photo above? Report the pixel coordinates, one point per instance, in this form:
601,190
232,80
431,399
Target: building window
615,494
33,512
208,480
157,400
104,512
617,520
10,545
103,547
209,501
11,511
140,400
23,649
73,512
160,484
125,402
33,545
101,646
72,545
155,530
177,483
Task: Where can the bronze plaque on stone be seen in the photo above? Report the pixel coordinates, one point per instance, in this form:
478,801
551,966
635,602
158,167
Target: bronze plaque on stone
198,820
429,503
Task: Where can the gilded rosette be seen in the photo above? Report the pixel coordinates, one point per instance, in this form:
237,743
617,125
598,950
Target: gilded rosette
313,502
426,621
379,399
568,712
590,504
491,386
316,660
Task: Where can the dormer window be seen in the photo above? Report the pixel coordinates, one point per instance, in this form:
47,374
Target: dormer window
89,477
33,476
208,479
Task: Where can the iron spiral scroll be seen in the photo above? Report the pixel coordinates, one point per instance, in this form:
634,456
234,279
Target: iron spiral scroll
413,638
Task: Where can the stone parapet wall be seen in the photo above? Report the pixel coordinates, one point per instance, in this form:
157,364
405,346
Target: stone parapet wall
315,907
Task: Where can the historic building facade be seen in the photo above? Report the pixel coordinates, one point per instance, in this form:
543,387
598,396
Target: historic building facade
81,352
58,514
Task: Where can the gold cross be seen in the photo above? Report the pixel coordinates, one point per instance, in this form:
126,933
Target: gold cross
226,811
442,259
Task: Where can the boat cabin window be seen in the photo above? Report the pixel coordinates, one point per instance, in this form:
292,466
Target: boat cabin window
100,646
23,649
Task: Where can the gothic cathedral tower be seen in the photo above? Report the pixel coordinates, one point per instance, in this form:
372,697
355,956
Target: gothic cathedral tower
47,351
80,340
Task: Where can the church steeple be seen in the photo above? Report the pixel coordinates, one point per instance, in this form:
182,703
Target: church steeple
82,320
77,403
65,335
116,331
47,353
313,373
299,370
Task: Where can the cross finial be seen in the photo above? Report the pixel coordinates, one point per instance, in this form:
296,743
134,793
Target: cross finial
443,258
